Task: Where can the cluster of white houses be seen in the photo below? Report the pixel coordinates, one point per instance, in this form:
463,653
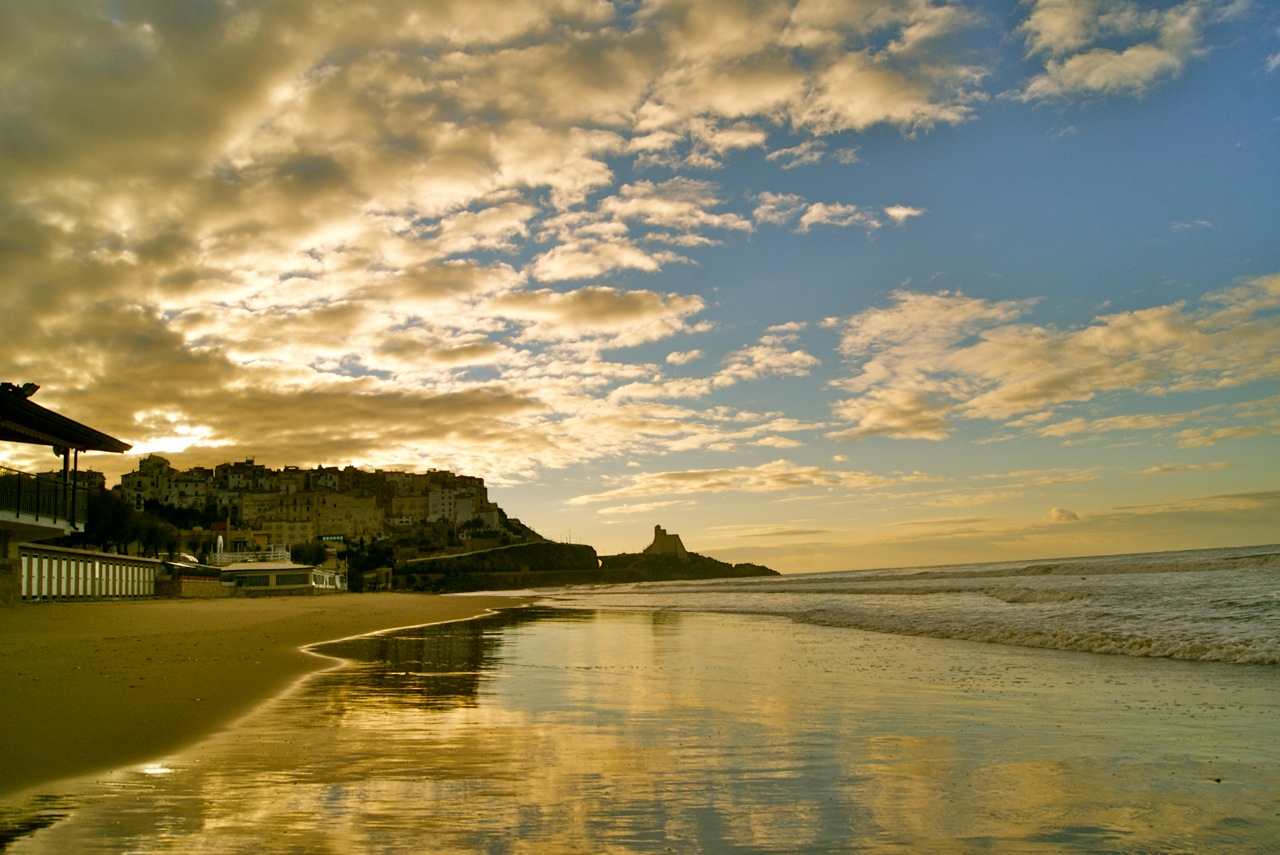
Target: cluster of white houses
277,508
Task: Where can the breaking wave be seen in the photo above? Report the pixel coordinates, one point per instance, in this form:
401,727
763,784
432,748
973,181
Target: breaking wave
1202,605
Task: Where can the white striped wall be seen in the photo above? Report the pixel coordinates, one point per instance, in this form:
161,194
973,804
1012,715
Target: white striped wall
53,573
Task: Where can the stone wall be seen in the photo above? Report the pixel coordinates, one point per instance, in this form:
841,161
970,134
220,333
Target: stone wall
187,587
10,588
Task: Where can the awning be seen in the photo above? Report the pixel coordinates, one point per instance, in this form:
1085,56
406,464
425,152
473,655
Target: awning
23,421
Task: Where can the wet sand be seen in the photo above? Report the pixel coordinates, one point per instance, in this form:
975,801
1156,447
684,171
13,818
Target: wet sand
92,686
603,731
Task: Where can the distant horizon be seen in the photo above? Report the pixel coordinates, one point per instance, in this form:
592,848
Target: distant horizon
815,283
739,555
647,531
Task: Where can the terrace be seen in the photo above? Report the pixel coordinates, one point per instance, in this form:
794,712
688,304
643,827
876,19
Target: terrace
41,508
35,508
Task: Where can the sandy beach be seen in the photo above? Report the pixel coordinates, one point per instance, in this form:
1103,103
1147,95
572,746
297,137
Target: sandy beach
90,686
541,730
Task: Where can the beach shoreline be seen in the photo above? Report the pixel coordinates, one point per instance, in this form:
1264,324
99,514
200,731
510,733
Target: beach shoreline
86,687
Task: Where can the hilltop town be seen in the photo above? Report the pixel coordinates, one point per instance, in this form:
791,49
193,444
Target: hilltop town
241,509
436,530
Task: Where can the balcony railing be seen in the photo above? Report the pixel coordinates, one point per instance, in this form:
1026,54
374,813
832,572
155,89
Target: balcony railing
42,499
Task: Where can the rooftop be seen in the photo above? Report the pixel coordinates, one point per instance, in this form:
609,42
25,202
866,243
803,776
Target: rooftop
23,421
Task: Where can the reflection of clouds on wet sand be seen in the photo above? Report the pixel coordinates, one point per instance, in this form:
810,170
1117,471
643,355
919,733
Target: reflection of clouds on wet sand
590,732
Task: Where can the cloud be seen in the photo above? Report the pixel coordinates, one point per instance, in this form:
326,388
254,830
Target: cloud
823,214
1016,488
1063,515
627,317
806,153
784,208
778,442
646,507
775,476
678,204
894,393
897,413
1112,424
914,82
618,232
777,531
1203,438
949,522
1027,478
594,257
1191,467
684,357
1109,47
901,213
773,356
930,360
778,208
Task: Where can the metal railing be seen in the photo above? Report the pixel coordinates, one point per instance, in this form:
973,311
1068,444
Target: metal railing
271,553
24,495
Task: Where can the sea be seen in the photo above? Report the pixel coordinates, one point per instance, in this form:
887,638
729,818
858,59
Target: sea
1085,705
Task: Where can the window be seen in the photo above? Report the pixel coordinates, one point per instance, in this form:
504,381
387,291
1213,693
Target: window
293,579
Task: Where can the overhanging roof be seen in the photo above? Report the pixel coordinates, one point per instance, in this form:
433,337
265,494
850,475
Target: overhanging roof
23,421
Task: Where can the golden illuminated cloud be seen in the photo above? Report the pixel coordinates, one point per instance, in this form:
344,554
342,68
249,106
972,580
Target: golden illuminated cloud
513,237
769,477
1109,47
931,359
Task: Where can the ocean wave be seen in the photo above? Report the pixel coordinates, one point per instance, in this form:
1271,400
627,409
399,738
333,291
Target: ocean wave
1205,605
1034,595
1251,651
951,578
1193,562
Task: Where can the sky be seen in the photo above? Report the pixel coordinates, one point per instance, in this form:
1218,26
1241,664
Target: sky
823,285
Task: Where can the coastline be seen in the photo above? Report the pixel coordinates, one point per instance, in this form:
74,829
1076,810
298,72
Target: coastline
99,685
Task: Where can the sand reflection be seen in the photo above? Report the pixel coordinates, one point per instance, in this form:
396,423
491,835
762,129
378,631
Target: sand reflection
592,732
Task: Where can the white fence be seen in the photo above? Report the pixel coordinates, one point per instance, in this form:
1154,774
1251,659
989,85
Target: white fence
54,573
271,553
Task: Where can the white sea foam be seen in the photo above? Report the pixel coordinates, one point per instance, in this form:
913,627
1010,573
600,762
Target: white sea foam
1031,595
1206,605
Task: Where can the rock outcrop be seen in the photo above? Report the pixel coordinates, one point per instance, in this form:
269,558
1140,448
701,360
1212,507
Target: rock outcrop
553,565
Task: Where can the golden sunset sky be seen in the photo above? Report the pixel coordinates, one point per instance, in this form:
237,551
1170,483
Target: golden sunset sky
821,285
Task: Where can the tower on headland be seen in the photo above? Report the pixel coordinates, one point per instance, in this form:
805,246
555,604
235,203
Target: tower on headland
666,544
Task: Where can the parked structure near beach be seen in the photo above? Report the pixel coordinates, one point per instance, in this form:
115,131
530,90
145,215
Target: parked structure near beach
277,578
666,544
57,573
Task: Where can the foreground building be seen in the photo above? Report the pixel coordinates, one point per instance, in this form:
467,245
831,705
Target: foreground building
35,508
